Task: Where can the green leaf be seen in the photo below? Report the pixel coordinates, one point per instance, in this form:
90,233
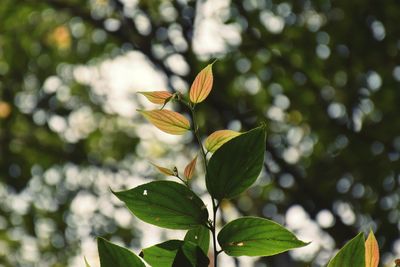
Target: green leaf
252,236
112,255
236,165
163,254
175,253
166,204
352,254
200,236
190,255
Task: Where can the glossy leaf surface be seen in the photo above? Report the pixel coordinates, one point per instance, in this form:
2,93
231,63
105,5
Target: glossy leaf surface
202,85
167,121
252,236
352,254
371,251
112,255
166,204
218,138
157,97
200,236
236,165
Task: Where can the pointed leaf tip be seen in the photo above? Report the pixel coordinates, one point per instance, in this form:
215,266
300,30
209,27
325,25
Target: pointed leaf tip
351,254
157,97
218,138
189,169
167,121
371,251
86,262
202,85
164,170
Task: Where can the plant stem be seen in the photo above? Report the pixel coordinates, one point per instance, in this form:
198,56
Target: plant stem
215,206
196,134
185,182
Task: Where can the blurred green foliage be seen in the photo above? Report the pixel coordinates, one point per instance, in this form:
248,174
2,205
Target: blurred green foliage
324,75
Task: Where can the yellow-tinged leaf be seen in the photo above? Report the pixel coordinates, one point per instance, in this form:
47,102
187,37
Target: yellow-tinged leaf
189,169
168,121
164,170
218,138
202,84
371,251
86,262
157,97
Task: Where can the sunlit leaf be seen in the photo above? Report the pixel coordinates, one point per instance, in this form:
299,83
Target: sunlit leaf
200,236
86,262
163,254
371,251
157,97
164,170
166,204
189,169
352,254
168,121
253,236
175,253
236,164
202,84
218,138
112,255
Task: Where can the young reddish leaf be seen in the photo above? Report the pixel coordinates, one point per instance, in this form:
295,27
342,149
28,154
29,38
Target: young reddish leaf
157,97
218,138
167,121
189,169
201,85
164,170
371,251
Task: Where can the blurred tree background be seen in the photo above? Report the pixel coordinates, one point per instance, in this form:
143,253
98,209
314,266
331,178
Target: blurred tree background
324,75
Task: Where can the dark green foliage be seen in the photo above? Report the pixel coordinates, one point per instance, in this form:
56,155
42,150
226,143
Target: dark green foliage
236,164
163,254
252,236
175,253
112,255
166,204
190,255
200,236
352,254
